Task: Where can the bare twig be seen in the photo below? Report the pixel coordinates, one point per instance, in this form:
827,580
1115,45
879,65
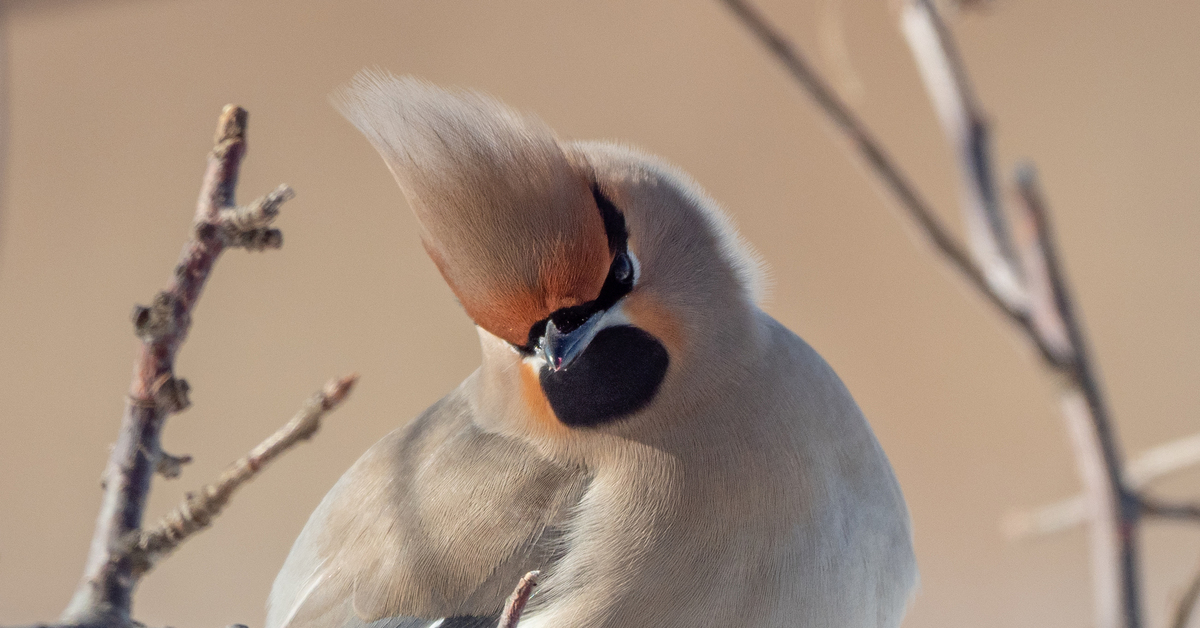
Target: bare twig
1164,459
877,159
1036,252
1187,604
1025,282
1055,326
870,149
104,594
259,213
1056,517
516,602
1150,465
966,127
1106,532
200,508
1163,509
1121,506
1074,511
248,227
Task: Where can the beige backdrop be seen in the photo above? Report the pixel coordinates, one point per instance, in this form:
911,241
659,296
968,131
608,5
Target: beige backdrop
111,106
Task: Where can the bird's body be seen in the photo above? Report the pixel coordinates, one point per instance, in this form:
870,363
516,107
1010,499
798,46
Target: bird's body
668,457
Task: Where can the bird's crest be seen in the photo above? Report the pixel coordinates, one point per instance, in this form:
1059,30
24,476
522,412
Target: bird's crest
505,213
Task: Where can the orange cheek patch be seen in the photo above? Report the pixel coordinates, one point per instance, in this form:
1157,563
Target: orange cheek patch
649,314
535,401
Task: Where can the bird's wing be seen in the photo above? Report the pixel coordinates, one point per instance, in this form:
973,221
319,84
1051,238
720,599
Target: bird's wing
438,519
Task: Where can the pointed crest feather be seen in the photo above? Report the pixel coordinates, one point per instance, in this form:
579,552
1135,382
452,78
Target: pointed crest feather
505,214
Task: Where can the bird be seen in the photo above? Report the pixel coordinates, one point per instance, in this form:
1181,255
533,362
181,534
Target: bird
639,430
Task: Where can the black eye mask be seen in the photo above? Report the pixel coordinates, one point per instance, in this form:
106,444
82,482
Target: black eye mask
622,367
617,284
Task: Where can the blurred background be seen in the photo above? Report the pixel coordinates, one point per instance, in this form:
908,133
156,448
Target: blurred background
107,115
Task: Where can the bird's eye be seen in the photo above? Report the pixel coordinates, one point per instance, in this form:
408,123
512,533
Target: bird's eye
622,268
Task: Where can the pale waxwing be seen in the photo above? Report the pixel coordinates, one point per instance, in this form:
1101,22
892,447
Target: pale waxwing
667,454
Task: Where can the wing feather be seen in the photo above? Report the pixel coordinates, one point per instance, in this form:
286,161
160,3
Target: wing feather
438,519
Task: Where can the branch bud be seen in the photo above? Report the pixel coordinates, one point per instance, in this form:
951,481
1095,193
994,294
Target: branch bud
156,321
256,239
170,466
258,214
171,394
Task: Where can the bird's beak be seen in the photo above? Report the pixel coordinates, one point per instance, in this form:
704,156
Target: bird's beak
560,349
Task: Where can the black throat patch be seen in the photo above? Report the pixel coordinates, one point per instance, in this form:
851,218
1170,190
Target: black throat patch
622,367
617,375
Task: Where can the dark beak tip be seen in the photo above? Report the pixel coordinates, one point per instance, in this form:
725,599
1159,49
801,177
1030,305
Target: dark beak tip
560,349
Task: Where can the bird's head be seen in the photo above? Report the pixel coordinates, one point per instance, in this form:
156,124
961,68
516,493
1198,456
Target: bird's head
530,235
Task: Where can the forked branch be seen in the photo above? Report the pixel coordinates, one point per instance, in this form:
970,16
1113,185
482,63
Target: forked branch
121,551
1019,273
198,509
1155,463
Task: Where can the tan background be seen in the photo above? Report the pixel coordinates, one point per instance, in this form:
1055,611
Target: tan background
110,112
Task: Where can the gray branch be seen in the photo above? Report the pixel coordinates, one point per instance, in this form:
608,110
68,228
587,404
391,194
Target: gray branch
1018,273
966,127
199,509
121,551
1187,604
1157,462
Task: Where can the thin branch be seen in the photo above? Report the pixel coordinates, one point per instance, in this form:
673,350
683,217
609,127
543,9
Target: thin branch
1083,375
1046,520
1055,329
1164,460
1074,511
870,149
1036,252
1123,507
1162,509
104,594
965,125
200,508
1055,326
1150,465
1187,604
877,159
1105,533
516,602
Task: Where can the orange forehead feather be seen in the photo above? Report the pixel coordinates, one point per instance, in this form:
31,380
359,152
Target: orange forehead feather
567,271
